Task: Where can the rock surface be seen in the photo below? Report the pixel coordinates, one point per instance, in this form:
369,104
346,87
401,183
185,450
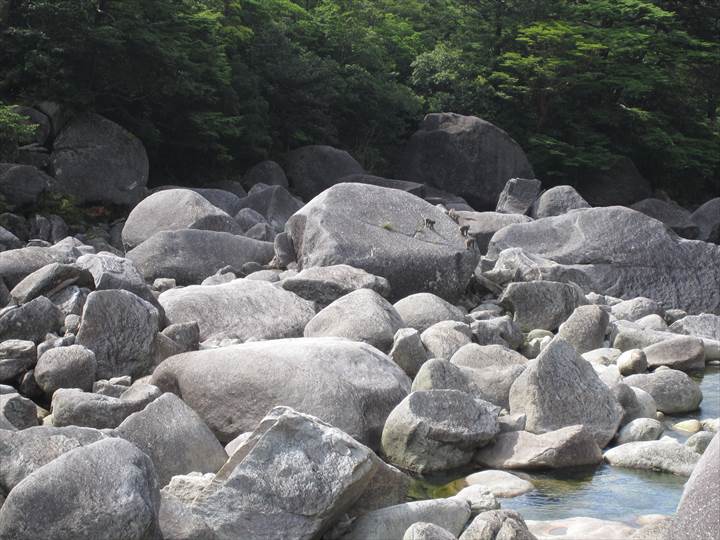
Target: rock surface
663,456
313,169
673,391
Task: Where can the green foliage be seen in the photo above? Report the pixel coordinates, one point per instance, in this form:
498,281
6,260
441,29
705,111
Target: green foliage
14,129
213,85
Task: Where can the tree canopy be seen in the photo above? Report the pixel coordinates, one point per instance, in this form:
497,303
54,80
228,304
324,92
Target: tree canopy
211,86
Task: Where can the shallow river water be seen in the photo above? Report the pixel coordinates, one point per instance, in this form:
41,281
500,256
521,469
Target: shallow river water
602,492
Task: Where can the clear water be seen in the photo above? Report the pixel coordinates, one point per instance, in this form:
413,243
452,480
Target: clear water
601,492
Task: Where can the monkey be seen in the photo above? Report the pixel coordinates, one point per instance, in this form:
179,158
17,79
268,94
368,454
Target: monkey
470,243
429,224
464,231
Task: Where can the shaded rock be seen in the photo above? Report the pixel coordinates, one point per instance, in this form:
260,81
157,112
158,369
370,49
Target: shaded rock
560,389
621,184
384,232
585,328
189,255
632,362
312,169
73,407
170,210
498,331
451,514
112,272
683,353
422,310
48,280
541,304
673,391
437,430
22,185
362,315
107,489
16,357
40,120
500,483
443,339
666,455
700,441
17,412
275,204
31,321
465,155
518,195
593,249
408,351
9,241
266,172
330,470
403,185
325,284
174,437
66,367
247,218
567,447
707,220
119,327
556,201
96,160
672,215
245,310
348,384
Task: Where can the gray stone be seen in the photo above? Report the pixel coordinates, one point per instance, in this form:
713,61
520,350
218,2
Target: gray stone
498,525
673,391
8,240
560,389
17,412
621,184
34,117
666,455
191,255
275,204
313,169
107,489
502,484
24,452
672,215
451,514
350,385
477,356
437,430
112,272
174,437
16,357
465,155
652,322
403,185
585,328
385,232
362,315
21,185
700,441
640,429
185,335
247,218
422,310
66,367
242,309
31,321
329,471
443,339
570,446
631,362
706,325
70,300
518,195
408,351
707,219
557,201
483,225
262,231
427,531
73,407
170,210
48,280
635,309
325,284
498,331
120,328
266,172
480,498
682,353
95,160
595,249
541,304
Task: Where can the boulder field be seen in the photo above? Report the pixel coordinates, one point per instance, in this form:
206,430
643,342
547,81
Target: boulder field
283,355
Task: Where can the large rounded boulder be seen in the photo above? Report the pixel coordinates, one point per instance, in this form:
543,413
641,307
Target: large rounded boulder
312,169
96,160
386,232
349,385
464,155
